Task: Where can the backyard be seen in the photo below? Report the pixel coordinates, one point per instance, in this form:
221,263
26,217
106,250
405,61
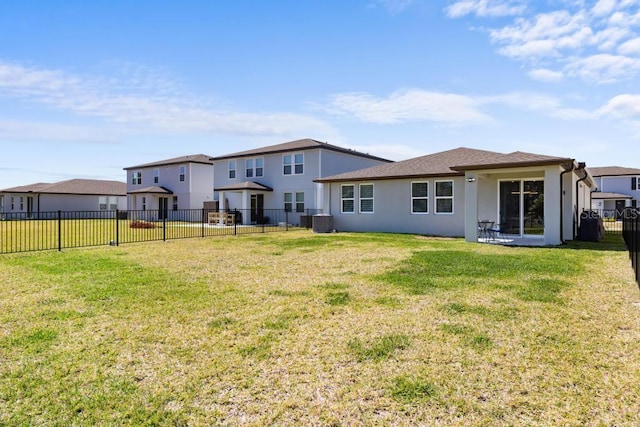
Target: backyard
323,329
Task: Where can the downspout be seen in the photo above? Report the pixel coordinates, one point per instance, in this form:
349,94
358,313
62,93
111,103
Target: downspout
581,166
573,166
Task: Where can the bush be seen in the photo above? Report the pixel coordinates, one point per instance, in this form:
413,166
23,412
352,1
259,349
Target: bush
141,224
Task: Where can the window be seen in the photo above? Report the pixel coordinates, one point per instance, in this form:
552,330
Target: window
1,203
288,201
232,169
12,203
635,183
113,203
293,164
108,203
348,200
144,203
420,197
182,170
444,197
156,176
136,178
175,203
248,167
21,203
102,202
259,167
366,198
300,202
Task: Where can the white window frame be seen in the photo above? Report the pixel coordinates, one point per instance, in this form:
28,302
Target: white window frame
352,198
156,176
426,198
248,168
174,202
436,197
102,203
136,178
288,195
13,203
361,199
21,203
182,173
232,169
259,170
144,203
113,203
299,201
635,183
293,164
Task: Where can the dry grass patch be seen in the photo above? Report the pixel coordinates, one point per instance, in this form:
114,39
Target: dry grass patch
296,328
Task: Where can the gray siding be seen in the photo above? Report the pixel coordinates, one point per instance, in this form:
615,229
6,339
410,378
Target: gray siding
392,209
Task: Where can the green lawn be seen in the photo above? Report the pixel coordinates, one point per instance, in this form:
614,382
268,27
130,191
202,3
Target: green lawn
338,329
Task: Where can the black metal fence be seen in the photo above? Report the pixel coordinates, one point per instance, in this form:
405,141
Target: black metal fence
22,232
631,235
611,219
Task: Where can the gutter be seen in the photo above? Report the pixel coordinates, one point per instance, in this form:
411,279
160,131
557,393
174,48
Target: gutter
573,167
581,166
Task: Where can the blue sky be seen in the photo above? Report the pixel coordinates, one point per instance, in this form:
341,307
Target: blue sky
87,88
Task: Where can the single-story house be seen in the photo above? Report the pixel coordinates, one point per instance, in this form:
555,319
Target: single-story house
43,200
529,197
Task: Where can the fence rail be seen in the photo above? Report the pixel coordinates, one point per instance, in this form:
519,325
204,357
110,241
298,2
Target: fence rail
631,235
69,229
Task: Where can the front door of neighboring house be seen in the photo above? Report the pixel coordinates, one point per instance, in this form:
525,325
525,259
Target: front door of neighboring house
620,204
29,206
163,208
521,207
257,208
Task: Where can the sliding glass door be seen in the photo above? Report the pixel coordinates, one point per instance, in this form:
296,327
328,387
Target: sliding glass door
521,205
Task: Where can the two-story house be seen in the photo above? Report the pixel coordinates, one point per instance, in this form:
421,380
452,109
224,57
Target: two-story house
83,196
617,188
282,177
167,188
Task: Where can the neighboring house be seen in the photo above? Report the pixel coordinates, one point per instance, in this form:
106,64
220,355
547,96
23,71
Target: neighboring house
527,195
166,189
282,177
616,188
43,200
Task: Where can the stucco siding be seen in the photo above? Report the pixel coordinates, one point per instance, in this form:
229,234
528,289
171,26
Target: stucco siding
392,209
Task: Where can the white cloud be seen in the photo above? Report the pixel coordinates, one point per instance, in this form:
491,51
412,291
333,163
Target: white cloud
603,68
409,106
630,47
485,8
141,98
542,104
599,36
544,75
624,106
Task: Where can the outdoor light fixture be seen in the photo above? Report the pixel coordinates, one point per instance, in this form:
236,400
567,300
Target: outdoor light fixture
472,179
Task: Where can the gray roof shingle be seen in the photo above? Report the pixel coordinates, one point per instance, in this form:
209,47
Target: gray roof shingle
447,163
613,171
74,186
193,158
297,145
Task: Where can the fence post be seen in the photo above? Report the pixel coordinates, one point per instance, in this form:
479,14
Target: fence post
117,227
235,223
164,228
59,231
203,219
286,220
